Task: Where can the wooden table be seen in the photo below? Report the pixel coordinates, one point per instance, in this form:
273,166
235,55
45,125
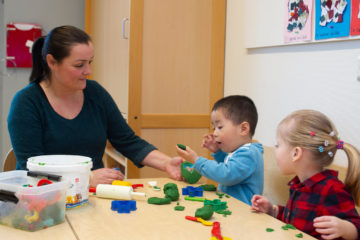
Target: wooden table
59,232
98,221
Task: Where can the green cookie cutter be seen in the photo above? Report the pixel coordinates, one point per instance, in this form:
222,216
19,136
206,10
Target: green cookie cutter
190,176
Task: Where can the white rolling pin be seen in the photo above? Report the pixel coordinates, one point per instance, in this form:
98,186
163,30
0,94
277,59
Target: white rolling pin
115,192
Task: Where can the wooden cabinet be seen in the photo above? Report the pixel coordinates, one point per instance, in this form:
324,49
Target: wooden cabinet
108,25
175,67
110,35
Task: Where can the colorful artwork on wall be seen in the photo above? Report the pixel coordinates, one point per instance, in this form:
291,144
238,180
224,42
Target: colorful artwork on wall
19,41
332,18
298,25
355,18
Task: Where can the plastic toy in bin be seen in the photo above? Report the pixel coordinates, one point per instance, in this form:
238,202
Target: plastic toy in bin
29,207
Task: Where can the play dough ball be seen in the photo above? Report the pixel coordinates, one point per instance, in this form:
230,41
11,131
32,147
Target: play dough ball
191,176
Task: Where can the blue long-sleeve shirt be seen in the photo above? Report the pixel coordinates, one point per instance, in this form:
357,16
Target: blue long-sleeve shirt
36,129
239,174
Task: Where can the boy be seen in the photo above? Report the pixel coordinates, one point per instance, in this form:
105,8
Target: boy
239,165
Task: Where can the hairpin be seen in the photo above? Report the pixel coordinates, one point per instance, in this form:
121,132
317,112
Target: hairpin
312,133
332,133
321,149
340,144
330,154
326,143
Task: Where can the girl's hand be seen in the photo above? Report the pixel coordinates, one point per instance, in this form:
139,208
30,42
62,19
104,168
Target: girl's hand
210,143
188,154
262,204
331,227
105,176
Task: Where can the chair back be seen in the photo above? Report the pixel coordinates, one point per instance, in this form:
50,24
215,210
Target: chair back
10,161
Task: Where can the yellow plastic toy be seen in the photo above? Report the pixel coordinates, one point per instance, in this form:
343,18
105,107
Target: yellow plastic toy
69,199
121,183
32,218
206,223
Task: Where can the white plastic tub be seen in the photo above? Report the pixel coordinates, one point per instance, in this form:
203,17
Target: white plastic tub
76,169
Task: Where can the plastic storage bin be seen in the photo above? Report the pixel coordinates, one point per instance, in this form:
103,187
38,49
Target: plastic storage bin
29,207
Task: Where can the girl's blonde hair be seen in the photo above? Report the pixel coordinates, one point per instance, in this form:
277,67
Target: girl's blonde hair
314,131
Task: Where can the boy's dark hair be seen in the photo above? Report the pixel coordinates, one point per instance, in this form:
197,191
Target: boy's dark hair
238,109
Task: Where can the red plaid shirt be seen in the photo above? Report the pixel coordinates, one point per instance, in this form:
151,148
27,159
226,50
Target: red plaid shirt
321,195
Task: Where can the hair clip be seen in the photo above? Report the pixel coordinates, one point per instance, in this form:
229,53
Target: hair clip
332,133
330,154
321,149
312,133
326,143
340,144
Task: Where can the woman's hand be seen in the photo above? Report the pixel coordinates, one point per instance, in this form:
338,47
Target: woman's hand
172,167
210,143
262,204
331,227
105,176
188,154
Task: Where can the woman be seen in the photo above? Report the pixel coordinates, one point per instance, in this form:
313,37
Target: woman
61,112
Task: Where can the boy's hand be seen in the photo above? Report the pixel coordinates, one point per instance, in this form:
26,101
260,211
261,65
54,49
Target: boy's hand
262,204
188,154
210,143
331,227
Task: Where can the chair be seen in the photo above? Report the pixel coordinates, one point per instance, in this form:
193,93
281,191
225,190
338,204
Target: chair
10,161
275,183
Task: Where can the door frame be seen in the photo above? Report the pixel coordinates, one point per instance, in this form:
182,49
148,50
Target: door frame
136,119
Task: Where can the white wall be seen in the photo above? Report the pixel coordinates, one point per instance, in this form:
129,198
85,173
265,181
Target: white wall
47,13
320,76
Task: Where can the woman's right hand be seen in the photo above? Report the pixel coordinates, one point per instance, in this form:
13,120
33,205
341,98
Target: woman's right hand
105,176
210,143
262,204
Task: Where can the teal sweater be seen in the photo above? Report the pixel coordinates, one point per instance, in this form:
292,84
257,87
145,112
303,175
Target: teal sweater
36,129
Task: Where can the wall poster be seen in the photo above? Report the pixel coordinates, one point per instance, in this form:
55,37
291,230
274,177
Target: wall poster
332,18
298,24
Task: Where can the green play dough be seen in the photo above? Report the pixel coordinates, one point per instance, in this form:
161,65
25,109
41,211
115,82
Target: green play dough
208,187
171,191
288,226
205,212
224,212
190,176
179,208
159,201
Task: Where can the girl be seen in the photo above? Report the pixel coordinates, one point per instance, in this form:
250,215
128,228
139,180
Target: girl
319,204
